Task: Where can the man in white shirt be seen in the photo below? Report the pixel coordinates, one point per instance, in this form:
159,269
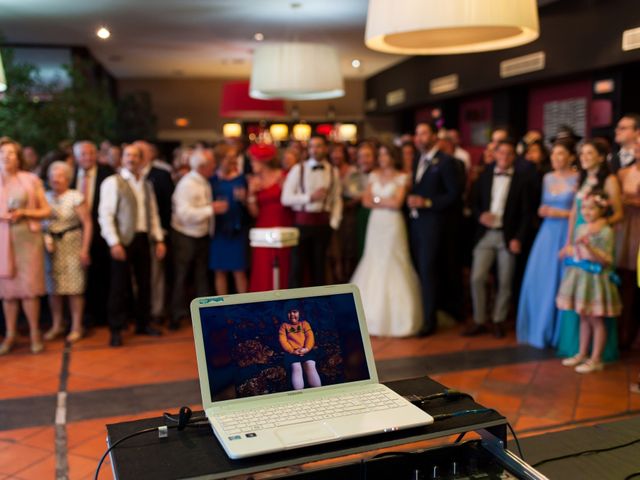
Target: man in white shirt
192,221
459,152
313,191
503,205
129,223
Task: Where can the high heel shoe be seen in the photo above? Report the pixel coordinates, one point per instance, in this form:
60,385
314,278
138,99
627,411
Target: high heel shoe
74,336
7,345
37,346
52,334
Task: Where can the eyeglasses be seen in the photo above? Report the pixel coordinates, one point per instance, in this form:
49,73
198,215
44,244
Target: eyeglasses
624,127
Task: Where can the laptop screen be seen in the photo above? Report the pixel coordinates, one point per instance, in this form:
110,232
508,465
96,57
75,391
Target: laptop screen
282,345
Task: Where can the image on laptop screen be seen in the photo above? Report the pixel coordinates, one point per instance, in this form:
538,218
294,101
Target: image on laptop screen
282,345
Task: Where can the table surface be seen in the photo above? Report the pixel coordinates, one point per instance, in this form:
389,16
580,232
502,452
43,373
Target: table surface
195,452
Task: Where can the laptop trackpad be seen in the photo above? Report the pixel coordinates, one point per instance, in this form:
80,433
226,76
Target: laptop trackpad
305,434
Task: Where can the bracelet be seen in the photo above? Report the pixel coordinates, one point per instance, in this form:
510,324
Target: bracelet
427,203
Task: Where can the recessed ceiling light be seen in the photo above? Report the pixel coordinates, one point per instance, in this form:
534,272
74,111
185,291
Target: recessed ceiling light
355,63
103,33
258,37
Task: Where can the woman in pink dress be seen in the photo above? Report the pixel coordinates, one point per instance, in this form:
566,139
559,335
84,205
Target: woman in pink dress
22,206
263,202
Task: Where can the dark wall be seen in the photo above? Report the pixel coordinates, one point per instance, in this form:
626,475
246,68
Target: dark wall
577,36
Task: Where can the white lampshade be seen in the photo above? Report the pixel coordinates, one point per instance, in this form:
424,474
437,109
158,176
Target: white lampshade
279,131
3,79
231,130
436,27
347,132
295,71
301,132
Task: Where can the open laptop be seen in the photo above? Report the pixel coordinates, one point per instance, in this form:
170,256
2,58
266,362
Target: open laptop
291,368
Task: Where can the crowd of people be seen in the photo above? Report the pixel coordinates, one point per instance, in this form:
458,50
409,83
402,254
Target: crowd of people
553,226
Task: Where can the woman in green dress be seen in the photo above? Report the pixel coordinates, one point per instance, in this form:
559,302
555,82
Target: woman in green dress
594,174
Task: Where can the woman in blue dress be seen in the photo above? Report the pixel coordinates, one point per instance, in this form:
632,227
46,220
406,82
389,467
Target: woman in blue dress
228,251
537,314
594,174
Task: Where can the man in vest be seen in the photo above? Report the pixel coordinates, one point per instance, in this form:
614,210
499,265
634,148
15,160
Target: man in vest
129,222
312,189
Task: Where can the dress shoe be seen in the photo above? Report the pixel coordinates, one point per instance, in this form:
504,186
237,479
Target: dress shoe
498,330
589,366
573,361
474,330
148,330
116,339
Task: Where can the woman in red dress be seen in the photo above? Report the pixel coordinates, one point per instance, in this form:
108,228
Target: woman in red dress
263,202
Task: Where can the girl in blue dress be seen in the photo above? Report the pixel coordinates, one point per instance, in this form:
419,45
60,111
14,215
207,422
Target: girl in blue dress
537,314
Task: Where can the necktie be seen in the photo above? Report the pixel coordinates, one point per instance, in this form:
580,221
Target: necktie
499,173
318,167
422,166
84,184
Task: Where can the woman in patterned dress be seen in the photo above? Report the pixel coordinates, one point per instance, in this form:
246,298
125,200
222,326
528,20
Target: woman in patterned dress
22,207
588,284
67,241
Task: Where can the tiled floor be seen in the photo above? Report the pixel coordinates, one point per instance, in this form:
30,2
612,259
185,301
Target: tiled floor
535,393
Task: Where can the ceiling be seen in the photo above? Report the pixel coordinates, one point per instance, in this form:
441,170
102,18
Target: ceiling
191,38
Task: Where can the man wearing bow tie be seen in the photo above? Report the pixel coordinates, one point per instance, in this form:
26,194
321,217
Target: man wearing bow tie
502,203
435,190
313,191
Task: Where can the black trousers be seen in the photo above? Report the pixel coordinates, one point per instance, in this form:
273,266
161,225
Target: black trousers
190,254
98,283
310,255
424,238
136,267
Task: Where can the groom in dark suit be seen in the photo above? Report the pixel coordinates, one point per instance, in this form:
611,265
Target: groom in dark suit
435,189
504,206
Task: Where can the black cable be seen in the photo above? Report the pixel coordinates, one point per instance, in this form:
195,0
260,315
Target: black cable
513,432
585,452
181,422
126,437
633,475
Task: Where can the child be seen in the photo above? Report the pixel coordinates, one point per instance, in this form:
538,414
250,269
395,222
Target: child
588,286
297,340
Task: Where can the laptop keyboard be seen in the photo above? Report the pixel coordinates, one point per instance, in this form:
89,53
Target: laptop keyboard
308,410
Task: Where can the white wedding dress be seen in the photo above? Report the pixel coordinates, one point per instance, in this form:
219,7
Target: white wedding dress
385,276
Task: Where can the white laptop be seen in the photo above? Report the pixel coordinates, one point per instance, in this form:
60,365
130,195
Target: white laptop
291,368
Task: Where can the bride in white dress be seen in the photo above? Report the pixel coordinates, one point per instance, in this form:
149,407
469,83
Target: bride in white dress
388,283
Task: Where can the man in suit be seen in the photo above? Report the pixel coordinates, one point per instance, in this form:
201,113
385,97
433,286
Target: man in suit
627,133
87,179
163,188
503,206
436,188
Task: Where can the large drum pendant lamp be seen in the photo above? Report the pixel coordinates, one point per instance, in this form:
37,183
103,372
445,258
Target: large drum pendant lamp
437,27
296,71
